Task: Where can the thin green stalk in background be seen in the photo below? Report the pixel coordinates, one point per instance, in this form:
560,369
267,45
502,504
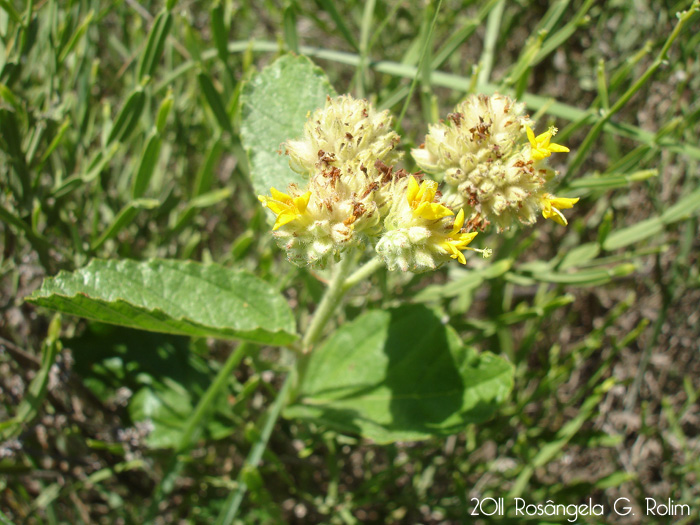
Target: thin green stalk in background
493,28
452,81
233,502
423,54
582,152
339,285
194,425
365,29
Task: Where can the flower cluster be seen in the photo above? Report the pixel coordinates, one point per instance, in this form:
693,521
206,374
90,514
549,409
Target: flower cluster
492,164
493,167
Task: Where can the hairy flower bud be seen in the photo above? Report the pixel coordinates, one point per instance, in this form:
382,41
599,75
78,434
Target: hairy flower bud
421,233
346,133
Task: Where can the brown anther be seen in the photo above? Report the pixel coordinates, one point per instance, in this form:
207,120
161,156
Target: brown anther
326,157
373,186
333,174
476,223
348,136
481,130
358,209
400,174
384,170
457,118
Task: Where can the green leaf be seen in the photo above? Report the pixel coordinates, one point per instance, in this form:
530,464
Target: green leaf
76,37
579,255
147,165
632,234
128,117
275,107
587,277
400,375
683,209
213,98
177,297
156,43
463,281
123,219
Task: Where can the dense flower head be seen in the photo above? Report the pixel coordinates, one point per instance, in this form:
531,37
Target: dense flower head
347,133
347,152
492,164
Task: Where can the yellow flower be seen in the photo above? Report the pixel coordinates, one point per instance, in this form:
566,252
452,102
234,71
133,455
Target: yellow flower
458,241
551,206
420,199
286,207
541,147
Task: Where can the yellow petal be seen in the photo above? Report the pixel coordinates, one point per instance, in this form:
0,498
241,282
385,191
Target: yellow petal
459,221
466,238
555,215
539,154
431,211
279,196
284,218
543,139
302,202
558,148
563,203
276,206
412,190
531,136
427,191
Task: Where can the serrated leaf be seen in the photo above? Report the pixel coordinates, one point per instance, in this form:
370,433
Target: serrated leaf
275,107
177,297
400,375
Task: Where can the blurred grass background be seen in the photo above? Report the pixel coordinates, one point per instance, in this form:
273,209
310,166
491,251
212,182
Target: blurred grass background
120,139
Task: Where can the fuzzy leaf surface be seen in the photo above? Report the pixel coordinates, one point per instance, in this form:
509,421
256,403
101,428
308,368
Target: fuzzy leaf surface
400,375
276,103
176,297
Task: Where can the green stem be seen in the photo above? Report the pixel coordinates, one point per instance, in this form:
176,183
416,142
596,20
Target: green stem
493,25
193,427
362,273
339,285
361,74
426,45
331,299
622,101
233,502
